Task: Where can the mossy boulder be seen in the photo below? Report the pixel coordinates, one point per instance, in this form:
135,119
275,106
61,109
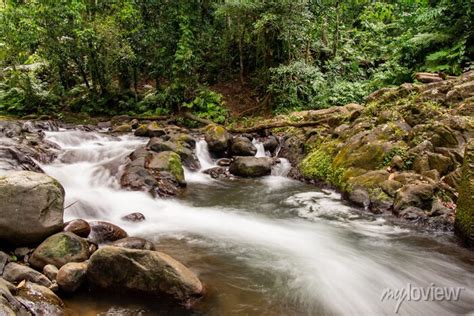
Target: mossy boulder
141,131
154,130
251,167
179,145
124,128
414,194
60,249
217,138
166,161
464,223
143,271
31,207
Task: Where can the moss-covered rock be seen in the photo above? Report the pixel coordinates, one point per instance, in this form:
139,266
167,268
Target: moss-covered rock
464,223
166,161
217,138
60,249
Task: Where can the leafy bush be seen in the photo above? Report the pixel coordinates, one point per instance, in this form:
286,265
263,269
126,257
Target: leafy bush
296,86
22,93
208,104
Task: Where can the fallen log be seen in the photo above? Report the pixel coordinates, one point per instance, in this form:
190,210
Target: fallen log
277,124
196,118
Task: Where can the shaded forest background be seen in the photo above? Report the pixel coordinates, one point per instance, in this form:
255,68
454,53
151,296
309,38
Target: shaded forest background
157,57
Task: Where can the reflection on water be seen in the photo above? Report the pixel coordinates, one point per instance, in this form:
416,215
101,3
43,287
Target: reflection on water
269,246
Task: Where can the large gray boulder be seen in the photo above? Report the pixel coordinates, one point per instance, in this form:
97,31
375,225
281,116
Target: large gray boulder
31,207
242,146
150,272
251,166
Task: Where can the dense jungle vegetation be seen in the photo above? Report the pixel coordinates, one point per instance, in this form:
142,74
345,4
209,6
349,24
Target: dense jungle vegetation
157,57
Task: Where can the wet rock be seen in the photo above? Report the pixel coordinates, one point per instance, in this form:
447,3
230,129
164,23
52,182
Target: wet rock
11,158
134,243
359,197
141,131
79,227
50,271
32,207
104,125
60,249
412,213
154,130
16,273
4,259
224,162
166,161
134,123
251,166
242,146
218,172
416,194
149,272
10,305
71,276
271,144
217,138
390,187
124,128
134,217
438,209
183,149
103,232
39,300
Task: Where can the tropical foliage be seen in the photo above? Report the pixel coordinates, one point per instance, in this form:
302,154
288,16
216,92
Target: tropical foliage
160,56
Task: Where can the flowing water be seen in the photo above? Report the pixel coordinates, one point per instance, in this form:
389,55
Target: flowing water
270,246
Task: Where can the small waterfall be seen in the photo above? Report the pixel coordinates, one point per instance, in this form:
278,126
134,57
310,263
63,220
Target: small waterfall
203,155
281,169
260,149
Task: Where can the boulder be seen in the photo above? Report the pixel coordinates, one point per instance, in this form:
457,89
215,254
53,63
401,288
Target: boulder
60,249
360,197
134,243
144,271
141,131
419,195
79,227
166,161
124,128
50,271
16,273
32,207
154,130
271,144
217,172
71,276
242,146
39,300
104,232
464,223
224,162
217,138
177,145
251,166
134,217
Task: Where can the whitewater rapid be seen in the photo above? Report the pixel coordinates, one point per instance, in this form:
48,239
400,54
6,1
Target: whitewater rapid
324,256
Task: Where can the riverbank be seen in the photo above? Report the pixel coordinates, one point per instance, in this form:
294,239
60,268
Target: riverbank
398,158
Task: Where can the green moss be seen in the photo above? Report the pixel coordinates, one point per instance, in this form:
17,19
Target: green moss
465,212
176,167
318,165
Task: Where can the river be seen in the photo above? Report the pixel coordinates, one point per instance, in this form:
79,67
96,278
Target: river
269,246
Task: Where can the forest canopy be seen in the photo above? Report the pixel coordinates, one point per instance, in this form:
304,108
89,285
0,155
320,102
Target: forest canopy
158,57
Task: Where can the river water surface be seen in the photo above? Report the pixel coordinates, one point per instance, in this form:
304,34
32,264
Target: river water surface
271,246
